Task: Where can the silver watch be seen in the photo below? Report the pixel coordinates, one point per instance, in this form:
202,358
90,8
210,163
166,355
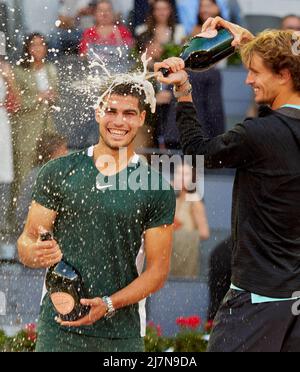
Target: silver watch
184,93
110,310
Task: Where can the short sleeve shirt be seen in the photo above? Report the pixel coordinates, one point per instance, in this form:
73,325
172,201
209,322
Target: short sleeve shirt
100,225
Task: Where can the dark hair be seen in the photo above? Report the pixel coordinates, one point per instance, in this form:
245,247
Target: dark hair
26,57
130,89
143,40
46,146
200,21
151,23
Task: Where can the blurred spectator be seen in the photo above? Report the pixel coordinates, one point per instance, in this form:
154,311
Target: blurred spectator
190,227
207,85
161,24
73,17
163,95
165,110
159,34
8,100
37,84
188,11
141,10
49,146
105,32
291,22
207,8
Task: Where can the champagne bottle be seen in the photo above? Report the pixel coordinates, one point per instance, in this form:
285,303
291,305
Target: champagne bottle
203,51
65,287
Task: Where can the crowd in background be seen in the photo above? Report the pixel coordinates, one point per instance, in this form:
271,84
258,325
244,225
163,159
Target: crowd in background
31,92
85,29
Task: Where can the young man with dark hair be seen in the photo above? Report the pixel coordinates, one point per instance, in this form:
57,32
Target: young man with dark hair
104,228
258,313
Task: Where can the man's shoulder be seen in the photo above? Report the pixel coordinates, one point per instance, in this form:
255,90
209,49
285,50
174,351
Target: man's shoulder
264,122
65,163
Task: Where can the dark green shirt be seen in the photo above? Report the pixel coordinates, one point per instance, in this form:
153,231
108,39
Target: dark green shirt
100,229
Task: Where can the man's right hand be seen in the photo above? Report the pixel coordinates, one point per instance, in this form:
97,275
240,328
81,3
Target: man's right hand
241,35
45,254
175,65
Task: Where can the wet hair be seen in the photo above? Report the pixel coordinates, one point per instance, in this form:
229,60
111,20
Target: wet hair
277,49
128,89
47,145
26,57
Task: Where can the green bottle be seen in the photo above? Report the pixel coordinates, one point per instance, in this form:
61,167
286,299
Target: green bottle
65,287
203,51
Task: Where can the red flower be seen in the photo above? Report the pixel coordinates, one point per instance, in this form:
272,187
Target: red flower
181,321
30,330
192,322
151,324
159,330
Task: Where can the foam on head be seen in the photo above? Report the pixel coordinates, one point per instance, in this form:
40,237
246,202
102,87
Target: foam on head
106,82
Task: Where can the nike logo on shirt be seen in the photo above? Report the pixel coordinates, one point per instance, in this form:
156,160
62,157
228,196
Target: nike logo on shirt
99,187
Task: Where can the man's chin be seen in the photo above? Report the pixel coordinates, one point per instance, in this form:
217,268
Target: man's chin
115,146
118,145
260,101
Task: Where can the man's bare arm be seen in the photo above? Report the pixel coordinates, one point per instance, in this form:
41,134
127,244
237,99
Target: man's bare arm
33,252
158,246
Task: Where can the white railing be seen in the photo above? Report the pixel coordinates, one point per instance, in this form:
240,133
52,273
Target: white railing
279,8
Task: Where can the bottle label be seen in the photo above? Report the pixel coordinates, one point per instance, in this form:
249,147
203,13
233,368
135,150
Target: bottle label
209,34
63,302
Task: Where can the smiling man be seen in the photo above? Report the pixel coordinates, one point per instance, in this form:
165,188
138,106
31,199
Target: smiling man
256,314
103,229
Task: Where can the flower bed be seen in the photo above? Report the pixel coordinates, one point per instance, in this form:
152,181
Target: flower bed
190,338
23,341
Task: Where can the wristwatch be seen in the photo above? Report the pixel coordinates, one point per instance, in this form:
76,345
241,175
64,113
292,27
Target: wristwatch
110,310
179,94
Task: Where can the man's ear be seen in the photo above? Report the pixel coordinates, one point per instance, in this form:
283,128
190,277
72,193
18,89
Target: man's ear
143,117
97,115
285,76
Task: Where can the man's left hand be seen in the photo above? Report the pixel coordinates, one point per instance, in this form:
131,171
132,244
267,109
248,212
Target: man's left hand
97,311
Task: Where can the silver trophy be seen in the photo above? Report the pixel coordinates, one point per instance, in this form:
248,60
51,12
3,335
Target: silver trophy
2,44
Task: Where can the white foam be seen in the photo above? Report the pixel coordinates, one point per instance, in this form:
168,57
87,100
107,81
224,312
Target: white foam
103,78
